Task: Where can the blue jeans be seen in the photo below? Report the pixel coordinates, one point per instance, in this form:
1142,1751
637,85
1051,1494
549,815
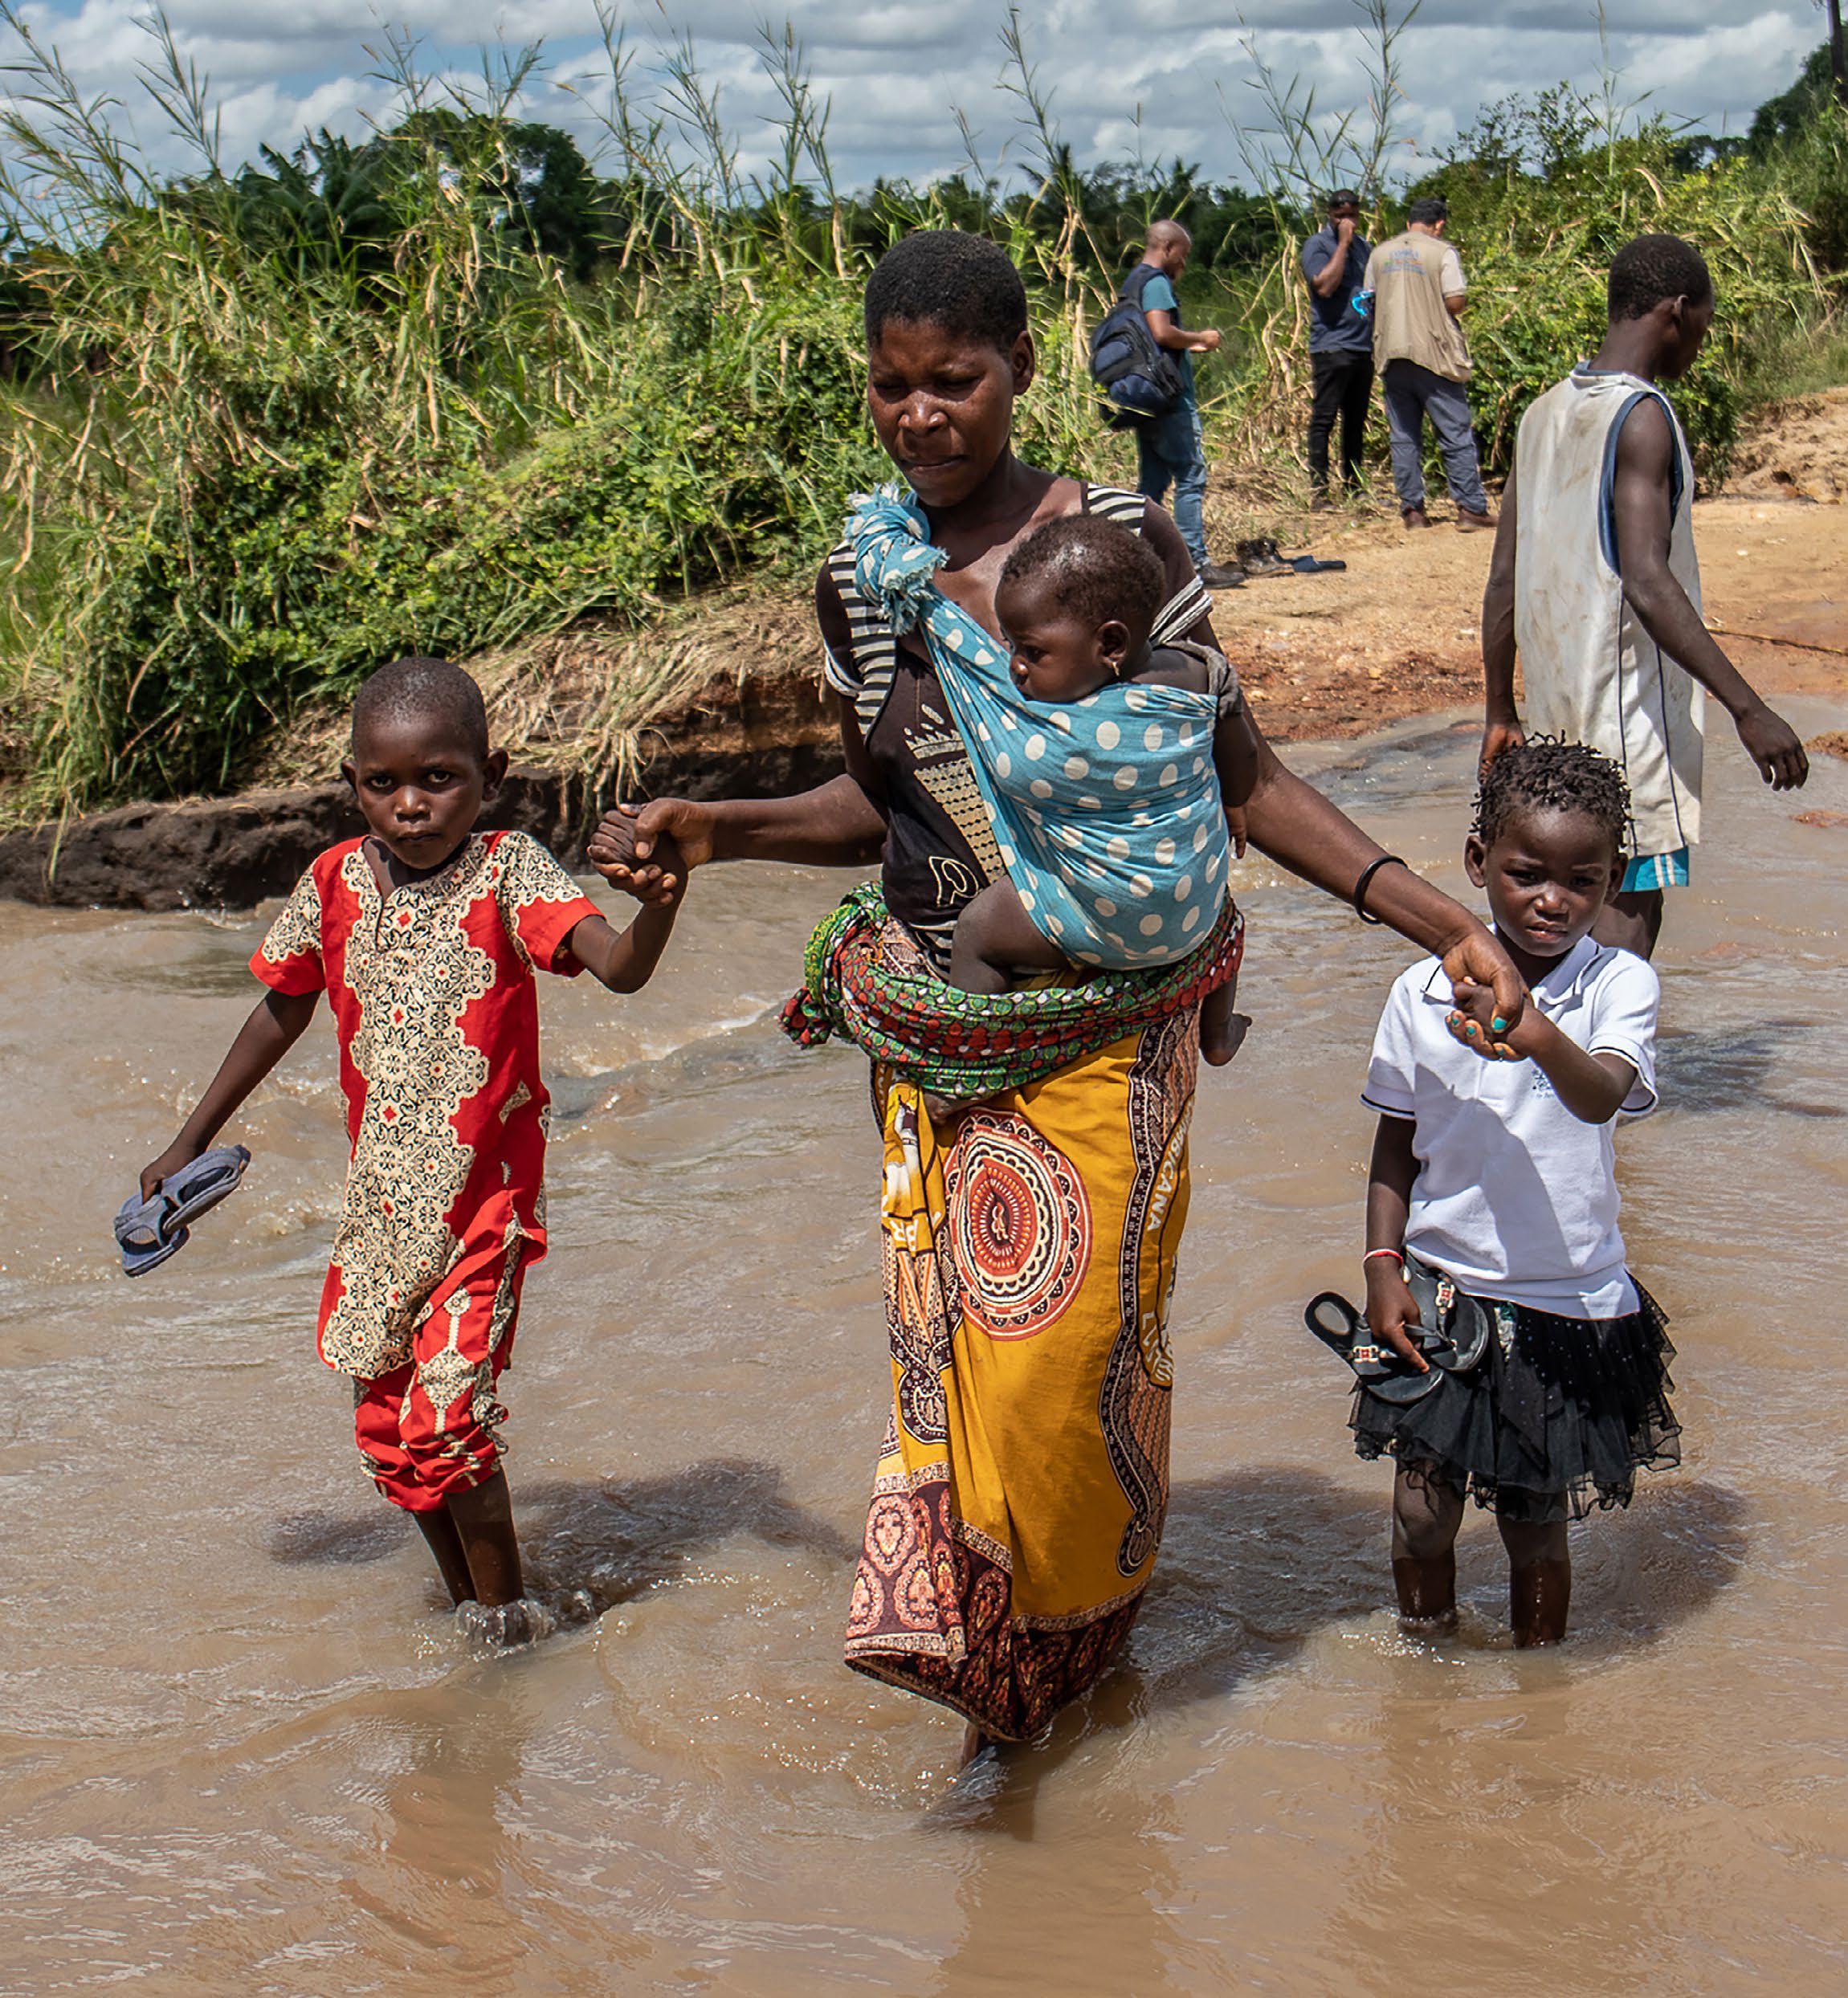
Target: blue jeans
1172,449
1412,394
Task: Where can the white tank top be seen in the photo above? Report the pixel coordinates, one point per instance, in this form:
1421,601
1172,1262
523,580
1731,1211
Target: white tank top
1593,674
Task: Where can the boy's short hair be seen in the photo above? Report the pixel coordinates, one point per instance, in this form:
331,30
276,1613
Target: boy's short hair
1648,269
946,277
429,689
1097,570
1428,209
1343,197
1549,774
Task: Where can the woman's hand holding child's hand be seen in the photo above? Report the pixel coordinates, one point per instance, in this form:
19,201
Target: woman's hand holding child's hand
1474,1018
637,847
1475,963
1391,1307
658,883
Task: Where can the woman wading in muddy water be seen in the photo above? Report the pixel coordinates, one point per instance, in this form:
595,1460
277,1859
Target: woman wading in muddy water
1029,1242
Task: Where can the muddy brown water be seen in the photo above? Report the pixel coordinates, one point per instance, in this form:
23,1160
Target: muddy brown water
243,1749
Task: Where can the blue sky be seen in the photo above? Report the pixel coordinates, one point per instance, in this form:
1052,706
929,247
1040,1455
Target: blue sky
1169,76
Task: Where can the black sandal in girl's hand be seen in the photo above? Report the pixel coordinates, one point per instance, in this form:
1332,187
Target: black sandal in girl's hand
1378,1368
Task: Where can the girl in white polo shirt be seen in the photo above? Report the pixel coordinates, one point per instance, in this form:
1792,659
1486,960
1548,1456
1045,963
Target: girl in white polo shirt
1493,1173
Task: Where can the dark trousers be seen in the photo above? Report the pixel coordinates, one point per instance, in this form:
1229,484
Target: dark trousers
1343,384
1411,394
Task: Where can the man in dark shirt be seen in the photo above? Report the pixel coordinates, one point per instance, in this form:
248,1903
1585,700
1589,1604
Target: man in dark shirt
1340,342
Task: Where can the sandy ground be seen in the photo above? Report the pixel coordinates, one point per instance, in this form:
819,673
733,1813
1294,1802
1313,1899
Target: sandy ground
1399,633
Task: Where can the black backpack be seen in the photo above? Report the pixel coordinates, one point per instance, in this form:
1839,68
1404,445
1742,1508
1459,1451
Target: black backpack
1139,377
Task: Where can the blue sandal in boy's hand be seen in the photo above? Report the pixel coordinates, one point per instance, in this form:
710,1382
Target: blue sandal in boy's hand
1378,1368
149,1229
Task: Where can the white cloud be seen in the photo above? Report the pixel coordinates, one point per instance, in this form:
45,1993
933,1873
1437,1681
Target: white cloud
896,73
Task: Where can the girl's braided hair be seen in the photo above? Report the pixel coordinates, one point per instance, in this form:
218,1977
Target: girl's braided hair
1549,774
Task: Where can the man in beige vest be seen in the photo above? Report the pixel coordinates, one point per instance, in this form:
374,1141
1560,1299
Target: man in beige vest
1595,582
1417,281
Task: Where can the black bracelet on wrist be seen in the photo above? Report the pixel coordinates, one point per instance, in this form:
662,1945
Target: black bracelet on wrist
1360,886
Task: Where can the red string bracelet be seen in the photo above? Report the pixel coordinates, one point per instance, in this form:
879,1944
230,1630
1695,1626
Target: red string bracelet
1396,1255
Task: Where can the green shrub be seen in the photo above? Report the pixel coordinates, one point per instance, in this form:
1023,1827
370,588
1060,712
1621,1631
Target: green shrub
259,433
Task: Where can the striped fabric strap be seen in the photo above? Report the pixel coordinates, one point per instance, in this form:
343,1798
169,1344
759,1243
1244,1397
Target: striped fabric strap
867,678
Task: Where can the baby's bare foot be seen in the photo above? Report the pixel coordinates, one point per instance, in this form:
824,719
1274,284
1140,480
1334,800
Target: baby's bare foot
1222,1031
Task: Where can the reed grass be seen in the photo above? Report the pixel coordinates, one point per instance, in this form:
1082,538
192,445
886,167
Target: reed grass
246,464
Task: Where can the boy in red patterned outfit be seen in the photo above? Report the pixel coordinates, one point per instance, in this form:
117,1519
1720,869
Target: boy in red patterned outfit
425,935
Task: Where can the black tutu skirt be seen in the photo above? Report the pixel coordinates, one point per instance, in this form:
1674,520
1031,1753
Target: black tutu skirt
1557,1418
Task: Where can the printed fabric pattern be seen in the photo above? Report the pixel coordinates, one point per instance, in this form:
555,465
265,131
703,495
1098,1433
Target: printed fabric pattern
431,1427
437,1014
1106,810
1030,1255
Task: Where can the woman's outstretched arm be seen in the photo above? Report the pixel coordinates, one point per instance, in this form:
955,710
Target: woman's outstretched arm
839,823
1300,829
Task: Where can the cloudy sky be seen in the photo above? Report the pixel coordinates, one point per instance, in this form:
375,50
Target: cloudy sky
1171,75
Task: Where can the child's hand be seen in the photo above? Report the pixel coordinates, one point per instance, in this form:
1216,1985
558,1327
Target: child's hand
612,851
670,869
1472,1021
1391,1307
178,1154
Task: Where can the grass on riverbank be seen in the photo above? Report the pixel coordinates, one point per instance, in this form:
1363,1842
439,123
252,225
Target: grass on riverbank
242,468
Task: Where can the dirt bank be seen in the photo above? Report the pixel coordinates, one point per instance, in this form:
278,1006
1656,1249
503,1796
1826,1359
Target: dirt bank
725,699
769,733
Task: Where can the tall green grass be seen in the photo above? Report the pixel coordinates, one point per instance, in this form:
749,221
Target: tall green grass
240,475
247,462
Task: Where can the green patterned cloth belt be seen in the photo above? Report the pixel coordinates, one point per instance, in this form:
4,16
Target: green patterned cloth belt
885,997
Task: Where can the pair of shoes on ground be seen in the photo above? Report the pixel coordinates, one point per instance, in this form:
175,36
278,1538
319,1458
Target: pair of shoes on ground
1220,576
1259,557
1466,521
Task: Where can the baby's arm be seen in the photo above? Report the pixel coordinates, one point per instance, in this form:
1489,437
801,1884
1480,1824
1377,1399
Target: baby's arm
1390,1305
1235,763
1593,1087
275,1024
625,960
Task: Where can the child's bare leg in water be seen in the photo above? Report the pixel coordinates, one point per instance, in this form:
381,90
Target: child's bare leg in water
1540,1580
1425,1516
472,1538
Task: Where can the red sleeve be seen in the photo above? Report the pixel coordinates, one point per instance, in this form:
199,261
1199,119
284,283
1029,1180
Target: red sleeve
289,958
540,902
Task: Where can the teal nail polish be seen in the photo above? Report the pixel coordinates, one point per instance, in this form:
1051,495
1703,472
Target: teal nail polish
1499,1024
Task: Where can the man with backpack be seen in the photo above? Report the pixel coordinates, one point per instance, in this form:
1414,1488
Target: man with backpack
1170,443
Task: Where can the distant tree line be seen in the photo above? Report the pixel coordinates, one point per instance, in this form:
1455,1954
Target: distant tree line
337,203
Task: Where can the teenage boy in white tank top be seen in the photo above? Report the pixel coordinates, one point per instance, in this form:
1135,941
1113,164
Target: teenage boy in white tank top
1595,583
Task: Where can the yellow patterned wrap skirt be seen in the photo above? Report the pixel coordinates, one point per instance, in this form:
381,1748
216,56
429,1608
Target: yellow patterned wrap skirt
1028,1260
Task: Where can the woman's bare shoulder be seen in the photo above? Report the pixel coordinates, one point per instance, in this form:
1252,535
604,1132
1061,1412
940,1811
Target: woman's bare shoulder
1167,666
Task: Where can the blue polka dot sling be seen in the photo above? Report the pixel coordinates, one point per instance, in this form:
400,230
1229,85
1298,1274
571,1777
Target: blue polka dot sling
1106,809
